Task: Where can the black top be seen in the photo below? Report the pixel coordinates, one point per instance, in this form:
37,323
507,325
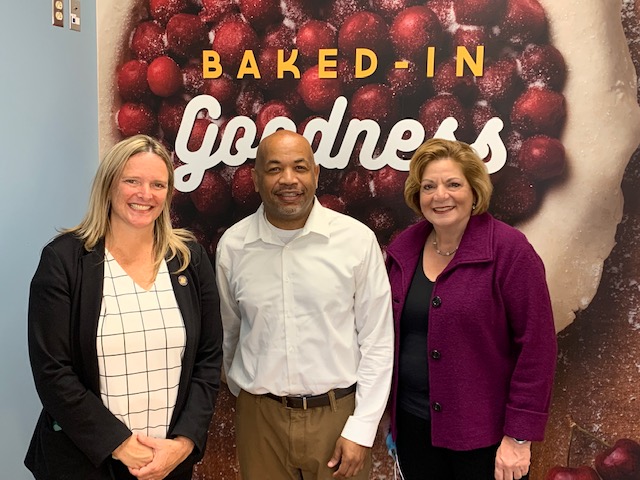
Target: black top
413,386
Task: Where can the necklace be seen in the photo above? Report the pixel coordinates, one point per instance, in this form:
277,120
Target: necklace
444,254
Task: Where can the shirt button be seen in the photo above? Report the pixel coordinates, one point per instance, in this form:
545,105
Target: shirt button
435,354
436,407
436,302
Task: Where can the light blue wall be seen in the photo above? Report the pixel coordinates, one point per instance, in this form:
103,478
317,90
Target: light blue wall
48,152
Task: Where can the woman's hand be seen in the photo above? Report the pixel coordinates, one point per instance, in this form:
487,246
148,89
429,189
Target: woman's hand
132,453
512,459
168,454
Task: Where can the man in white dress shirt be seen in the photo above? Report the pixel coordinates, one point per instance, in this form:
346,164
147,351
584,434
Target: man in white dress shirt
308,335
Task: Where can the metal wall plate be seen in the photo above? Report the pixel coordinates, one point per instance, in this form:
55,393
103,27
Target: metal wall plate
57,15
74,15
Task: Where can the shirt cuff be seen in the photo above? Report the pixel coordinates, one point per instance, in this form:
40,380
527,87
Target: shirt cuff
360,432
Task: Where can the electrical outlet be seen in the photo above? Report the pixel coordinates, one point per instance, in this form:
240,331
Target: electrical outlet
58,13
74,14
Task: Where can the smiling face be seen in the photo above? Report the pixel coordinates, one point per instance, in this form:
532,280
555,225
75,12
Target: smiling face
139,194
286,177
446,197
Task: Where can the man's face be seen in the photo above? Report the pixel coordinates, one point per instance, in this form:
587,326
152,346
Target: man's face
286,177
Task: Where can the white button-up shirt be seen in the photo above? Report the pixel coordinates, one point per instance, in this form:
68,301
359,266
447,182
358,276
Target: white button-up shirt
308,316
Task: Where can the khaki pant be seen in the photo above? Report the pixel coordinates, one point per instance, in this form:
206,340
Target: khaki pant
278,443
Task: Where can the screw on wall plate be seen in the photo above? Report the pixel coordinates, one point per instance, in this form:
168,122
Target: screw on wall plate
74,13
58,13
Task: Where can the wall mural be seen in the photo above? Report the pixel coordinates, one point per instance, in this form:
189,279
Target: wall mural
545,91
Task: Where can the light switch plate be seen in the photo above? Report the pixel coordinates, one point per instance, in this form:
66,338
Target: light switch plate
74,15
57,16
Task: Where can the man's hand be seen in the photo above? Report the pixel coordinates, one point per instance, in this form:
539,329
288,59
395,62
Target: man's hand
349,456
168,454
512,459
132,453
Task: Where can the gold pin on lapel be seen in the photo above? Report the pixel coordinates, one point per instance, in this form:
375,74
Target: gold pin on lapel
182,280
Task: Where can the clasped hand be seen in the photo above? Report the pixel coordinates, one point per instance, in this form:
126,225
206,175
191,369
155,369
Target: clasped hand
151,458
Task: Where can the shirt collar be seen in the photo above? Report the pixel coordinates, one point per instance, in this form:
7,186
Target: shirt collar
317,223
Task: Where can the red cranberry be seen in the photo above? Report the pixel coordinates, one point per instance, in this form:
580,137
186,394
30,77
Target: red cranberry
215,10
542,157
539,110
318,93
225,89
269,111
333,202
355,186
481,113
524,22
381,220
164,76
445,80
388,183
543,65
132,81
260,13
169,116
186,35
478,12
375,102
148,41
249,101
340,10
435,110
279,37
514,197
135,118
413,30
213,196
192,80
315,35
197,134
471,37
500,81
405,82
163,10
363,29
231,40
389,9
242,189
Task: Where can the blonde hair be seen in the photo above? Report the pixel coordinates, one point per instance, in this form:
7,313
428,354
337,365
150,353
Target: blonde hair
473,169
96,222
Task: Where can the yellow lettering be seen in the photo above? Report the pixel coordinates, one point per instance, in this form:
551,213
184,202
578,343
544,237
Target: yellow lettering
431,61
248,65
211,67
463,56
362,53
324,63
288,65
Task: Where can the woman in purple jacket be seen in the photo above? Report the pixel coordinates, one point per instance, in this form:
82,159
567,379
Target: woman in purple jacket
475,339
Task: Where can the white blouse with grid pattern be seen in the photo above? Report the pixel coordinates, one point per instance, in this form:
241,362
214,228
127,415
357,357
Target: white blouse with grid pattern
140,343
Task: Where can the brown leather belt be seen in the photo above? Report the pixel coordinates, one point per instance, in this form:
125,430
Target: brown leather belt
311,401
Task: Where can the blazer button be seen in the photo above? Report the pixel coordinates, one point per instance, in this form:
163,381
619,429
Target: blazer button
435,354
436,302
436,407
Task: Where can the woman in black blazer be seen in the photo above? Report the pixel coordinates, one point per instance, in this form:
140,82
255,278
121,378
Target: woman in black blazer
124,332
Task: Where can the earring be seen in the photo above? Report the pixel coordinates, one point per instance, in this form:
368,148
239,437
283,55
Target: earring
473,206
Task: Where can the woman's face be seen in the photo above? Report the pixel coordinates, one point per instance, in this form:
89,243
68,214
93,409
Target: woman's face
445,194
139,195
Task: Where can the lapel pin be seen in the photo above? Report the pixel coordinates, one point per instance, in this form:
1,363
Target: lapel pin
182,280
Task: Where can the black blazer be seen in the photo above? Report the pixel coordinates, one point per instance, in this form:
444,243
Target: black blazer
75,433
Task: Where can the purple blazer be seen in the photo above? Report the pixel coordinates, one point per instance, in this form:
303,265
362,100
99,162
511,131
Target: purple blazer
491,337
